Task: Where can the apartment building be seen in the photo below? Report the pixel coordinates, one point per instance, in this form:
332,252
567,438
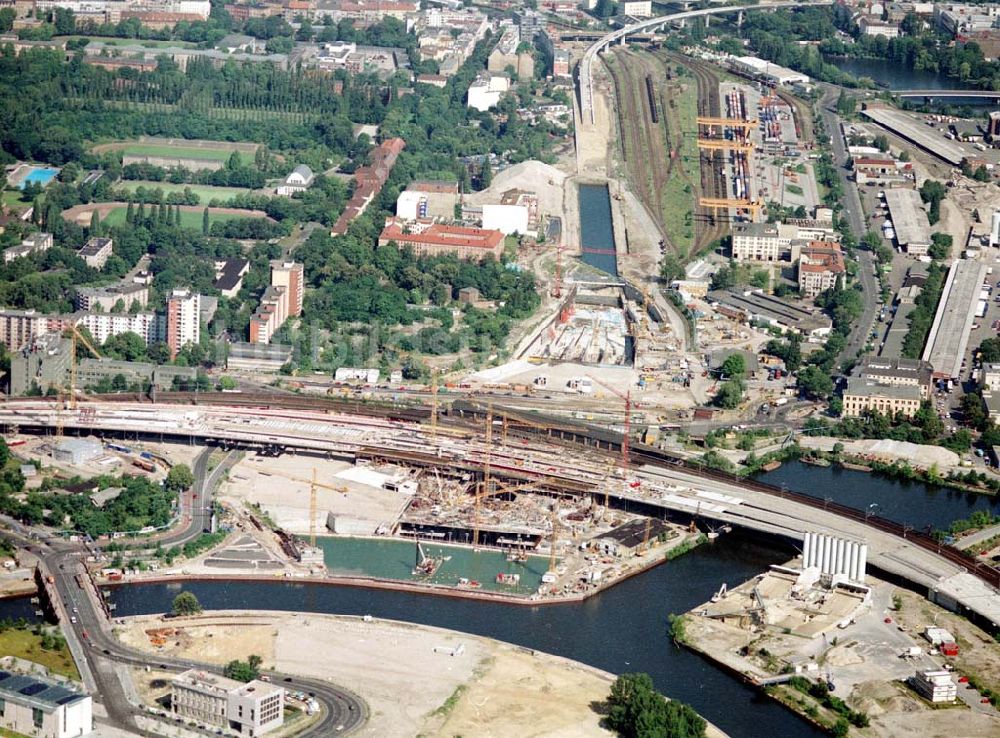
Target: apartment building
862,395
183,324
103,326
821,263
280,301
36,243
18,327
897,372
766,242
989,377
128,294
96,252
43,362
291,276
251,709
37,706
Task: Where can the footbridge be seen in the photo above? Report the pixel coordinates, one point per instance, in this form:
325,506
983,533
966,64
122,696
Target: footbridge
651,25
987,95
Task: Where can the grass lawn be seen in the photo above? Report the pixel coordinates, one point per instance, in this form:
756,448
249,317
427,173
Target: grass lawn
4,733
13,197
189,219
115,41
677,212
205,192
26,645
793,188
181,152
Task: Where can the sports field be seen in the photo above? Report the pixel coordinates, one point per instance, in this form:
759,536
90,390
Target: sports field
181,148
189,218
206,193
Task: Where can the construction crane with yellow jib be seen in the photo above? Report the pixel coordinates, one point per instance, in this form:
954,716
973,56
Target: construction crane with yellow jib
315,484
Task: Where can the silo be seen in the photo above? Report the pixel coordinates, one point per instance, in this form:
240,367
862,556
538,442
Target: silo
852,571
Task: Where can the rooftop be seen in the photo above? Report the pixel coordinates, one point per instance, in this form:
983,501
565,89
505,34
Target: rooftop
94,246
444,235
860,387
757,304
908,217
35,691
949,334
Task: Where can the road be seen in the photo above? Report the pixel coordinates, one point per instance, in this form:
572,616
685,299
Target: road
99,654
199,498
854,214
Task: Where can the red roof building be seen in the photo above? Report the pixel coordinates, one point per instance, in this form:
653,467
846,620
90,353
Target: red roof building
369,181
431,239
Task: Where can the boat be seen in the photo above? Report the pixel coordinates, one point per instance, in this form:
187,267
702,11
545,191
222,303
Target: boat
471,583
549,577
426,566
510,579
517,557
771,465
814,460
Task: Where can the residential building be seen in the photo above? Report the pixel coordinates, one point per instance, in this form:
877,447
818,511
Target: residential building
635,8
229,275
560,62
258,357
368,182
18,327
43,362
104,325
299,179
411,205
486,90
820,264
427,238
280,301
38,706
36,243
529,23
991,403
989,377
251,709
871,25
127,295
183,320
436,80
935,685
862,395
897,372
291,276
955,19
96,252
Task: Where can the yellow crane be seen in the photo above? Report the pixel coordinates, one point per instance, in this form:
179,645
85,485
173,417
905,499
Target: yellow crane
314,484
716,203
75,336
713,144
746,125
434,403
484,489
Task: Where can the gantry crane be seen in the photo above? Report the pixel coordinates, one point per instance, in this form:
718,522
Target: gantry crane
484,489
627,397
745,125
716,203
724,144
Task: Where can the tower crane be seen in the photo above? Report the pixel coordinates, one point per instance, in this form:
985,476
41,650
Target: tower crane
627,397
484,489
314,484
75,336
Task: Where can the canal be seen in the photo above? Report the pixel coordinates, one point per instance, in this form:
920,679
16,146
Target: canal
597,232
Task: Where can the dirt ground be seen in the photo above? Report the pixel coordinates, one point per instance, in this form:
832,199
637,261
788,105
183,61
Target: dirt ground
416,680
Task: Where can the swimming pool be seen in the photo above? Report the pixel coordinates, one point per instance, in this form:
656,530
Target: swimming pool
40,176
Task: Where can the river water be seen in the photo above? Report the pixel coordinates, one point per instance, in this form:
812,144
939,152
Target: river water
596,228
893,75
621,630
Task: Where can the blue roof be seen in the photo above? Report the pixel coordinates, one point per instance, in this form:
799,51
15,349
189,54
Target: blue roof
36,691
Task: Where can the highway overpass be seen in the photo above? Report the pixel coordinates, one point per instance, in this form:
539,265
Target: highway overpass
654,484
586,81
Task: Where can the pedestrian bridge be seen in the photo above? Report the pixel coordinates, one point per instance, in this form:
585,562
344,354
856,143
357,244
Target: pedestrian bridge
973,94
652,25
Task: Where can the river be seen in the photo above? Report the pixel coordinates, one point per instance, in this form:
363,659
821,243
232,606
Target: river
597,232
621,630
895,76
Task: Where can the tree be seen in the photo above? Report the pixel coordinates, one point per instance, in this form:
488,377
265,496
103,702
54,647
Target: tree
637,710
815,382
730,394
227,383
846,104
734,367
186,604
204,216
671,268
933,192
940,248
179,478
243,671
486,173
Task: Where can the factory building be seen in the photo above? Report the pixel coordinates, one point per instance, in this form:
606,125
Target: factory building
862,395
251,709
897,372
909,220
258,357
956,312
36,706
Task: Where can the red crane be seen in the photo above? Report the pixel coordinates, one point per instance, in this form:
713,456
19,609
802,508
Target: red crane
627,397
557,286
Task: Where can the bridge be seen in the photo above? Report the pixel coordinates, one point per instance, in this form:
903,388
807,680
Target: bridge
989,95
561,457
652,25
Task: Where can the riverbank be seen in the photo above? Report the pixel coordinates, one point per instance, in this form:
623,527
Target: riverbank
417,680
775,638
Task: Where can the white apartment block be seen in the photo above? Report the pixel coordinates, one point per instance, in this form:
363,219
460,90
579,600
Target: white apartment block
104,325
36,706
763,241
183,315
106,298
251,709
36,243
18,327
989,377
